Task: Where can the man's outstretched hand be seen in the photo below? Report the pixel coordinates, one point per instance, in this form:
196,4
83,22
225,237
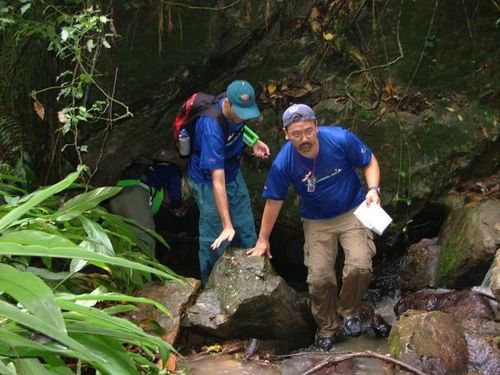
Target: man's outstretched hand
262,247
225,235
261,150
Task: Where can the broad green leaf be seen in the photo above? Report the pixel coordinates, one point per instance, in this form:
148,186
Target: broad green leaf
84,202
38,197
31,292
10,248
113,351
12,178
7,369
119,309
49,275
4,186
99,237
57,366
100,243
92,318
37,237
36,324
112,297
30,366
123,224
15,345
77,265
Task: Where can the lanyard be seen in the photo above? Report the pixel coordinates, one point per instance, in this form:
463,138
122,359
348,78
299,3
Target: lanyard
310,177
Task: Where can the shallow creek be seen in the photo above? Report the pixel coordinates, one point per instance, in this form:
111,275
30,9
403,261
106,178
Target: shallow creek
298,362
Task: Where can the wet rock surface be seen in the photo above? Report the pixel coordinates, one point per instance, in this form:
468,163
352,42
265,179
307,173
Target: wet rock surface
462,305
469,240
245,298
473,313
175,297
495,275
419,266
432,342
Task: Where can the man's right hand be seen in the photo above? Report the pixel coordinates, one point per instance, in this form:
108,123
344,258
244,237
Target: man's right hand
262,247
225,235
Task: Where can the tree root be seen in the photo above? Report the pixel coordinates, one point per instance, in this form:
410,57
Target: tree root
334,359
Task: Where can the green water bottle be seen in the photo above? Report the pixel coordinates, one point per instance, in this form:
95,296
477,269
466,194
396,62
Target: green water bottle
249,137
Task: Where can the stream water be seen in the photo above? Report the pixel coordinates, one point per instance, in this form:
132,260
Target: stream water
298,362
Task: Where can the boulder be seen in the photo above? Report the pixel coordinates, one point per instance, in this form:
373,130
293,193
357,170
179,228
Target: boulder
474,314
175,297
495,276
245,298
462,305
482,343
432,342
419,266
468,239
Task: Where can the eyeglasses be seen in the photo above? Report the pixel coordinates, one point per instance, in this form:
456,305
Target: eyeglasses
298,135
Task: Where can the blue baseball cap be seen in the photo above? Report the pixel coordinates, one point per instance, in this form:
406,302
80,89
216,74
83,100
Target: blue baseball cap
296,113
242,97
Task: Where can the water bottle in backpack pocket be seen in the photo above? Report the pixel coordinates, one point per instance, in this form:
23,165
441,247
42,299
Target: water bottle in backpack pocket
184,143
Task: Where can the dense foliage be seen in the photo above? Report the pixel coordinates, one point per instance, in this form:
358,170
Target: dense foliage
61,281
67,266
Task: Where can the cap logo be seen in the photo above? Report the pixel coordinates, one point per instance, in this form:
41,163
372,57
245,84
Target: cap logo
245,98
296,117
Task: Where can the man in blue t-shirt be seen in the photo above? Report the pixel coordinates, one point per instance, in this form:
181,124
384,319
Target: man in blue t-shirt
215,177
321,163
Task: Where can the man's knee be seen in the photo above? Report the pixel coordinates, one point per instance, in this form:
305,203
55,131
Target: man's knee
320,279
351,271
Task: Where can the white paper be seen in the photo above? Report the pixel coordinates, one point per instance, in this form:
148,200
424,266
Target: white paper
373,217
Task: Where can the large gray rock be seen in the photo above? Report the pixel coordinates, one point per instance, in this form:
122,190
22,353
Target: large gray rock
246,298
468,239
474,314
419,266
432,342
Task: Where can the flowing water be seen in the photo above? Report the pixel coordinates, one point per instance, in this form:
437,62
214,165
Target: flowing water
298,362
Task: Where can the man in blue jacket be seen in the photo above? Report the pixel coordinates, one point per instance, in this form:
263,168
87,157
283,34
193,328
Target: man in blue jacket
215,177
321,163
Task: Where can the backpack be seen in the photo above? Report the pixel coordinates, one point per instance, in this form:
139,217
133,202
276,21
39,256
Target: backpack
198,104
132,174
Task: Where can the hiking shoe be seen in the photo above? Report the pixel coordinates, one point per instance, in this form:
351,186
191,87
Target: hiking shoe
325,343
352,326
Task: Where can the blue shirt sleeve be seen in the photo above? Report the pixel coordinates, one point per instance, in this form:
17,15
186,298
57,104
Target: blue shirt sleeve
276,185
358,154
210,140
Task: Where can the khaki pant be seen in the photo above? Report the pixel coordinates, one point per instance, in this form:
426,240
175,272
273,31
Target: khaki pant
320,255
133,202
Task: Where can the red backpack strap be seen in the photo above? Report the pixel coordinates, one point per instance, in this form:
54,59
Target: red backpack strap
183,114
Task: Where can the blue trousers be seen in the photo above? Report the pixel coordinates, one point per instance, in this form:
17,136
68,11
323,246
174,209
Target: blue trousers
210,225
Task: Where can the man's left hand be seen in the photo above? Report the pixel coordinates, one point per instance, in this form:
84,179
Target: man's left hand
261,150
372,197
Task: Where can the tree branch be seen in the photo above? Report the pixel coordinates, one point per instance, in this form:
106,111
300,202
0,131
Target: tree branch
334,359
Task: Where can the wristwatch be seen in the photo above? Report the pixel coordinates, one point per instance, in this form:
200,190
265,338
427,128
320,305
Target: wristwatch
375,187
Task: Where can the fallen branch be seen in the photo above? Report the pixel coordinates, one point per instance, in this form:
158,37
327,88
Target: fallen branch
307,353
334,359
